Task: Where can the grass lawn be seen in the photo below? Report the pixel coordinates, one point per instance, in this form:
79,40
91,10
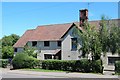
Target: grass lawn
42,70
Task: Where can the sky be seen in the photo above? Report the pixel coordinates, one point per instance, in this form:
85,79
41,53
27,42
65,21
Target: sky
17,17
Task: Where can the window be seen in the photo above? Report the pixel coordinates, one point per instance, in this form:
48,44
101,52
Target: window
46,43
34,43
15,49
59,43
111,60
74,43
47,56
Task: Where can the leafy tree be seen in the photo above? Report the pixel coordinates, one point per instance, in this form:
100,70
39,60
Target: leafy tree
114,39
109,36
104,34
7,52
91,42
7,45
9,40
30,51
97,40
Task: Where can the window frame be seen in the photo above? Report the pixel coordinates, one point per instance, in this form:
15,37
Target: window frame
75,46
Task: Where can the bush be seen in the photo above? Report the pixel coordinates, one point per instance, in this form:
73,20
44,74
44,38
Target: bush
22,60
97,66
83,65
4,63
117,66
57,65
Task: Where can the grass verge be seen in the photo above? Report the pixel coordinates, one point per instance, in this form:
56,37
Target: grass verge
42,70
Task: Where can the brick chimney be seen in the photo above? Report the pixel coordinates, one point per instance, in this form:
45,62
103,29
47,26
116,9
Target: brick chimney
83,16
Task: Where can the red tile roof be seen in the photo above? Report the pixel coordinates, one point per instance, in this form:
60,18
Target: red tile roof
24,39
43,33
50,32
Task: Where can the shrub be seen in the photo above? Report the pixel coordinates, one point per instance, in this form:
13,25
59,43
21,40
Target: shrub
22,60
97,66
117,66
4,63
57,65
83,65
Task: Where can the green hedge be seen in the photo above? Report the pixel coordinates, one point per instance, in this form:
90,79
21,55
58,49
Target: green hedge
22,60
57,65
117,66
97,66
83,65
3,63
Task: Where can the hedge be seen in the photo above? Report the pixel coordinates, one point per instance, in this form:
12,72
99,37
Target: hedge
97,66
117,66
83,65
57,65
4,63
22,60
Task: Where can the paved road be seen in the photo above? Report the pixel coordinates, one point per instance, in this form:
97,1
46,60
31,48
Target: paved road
6,73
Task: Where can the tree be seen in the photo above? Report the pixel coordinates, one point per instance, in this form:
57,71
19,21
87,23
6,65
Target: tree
7,45
104,34
9,40
7,52
96,40
109,36
91,42
89,37
114,39
30,51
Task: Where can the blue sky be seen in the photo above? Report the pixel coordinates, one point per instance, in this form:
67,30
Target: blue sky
17,17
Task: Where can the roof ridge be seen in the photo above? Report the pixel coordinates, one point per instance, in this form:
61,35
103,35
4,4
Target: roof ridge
55,24
71,23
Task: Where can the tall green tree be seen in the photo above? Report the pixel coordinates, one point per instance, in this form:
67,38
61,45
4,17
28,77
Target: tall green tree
104,34
9,40
114,39
96,40
7,45
7,52
89,37
91,42
109,36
